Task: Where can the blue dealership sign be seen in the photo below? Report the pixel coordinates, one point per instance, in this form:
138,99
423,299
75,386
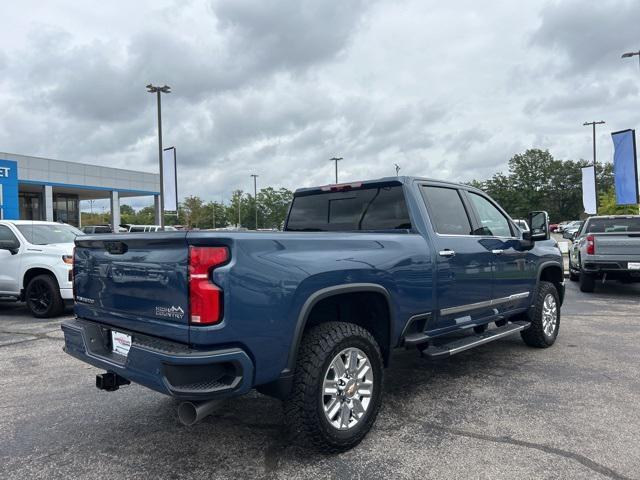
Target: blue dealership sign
625,167
9,190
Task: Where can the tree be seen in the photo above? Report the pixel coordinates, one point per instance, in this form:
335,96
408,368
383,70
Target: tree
273,206
192,211
214,211
607,205
236,210
537,181
127,210
146,216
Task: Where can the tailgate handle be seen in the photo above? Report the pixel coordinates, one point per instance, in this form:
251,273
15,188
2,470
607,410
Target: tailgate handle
115,248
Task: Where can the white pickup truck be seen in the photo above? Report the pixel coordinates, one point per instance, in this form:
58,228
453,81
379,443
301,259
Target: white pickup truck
36,264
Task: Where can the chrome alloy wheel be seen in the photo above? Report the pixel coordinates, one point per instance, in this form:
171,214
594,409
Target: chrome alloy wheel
347,388
549,315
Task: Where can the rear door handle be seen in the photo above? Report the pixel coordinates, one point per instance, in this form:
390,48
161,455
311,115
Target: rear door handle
497,251
446,253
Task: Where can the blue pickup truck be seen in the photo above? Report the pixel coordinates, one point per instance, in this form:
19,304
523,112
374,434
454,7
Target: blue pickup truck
310,315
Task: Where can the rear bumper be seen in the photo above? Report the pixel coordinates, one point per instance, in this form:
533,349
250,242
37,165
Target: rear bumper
167,367
610,267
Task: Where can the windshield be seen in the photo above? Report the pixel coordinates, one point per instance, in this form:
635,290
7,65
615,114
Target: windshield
39,234
613,225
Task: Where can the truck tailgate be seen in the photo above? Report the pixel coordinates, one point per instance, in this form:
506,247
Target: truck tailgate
618,244
136,282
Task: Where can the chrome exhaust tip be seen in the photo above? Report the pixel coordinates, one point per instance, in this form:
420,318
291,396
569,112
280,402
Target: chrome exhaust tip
190,413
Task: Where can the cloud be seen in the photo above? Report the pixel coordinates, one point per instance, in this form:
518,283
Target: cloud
282,34
590,37
277,88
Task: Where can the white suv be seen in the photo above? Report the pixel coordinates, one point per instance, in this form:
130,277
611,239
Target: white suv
36,263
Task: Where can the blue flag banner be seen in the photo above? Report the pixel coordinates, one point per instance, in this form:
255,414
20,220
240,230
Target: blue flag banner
625,167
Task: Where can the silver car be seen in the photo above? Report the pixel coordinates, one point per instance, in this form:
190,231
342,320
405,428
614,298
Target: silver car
571,229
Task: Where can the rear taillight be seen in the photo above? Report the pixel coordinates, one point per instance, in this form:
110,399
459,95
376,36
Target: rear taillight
205,298
591,245
73,268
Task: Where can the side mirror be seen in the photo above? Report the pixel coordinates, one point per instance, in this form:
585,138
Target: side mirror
10,245
539,225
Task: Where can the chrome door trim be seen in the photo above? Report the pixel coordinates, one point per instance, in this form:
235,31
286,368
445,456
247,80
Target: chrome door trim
484,304
464,308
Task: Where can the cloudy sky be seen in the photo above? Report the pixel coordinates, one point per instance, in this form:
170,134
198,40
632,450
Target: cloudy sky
449,90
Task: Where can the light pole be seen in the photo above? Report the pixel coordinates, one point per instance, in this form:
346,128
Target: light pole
397,169
158,90
595,171
255,197
239,207
336,160
632,54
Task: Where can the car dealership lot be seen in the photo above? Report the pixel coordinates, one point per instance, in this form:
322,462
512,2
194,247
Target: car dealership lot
500,411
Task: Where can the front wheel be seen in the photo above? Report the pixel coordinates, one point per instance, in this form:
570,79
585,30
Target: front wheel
43,297
337,387
544,317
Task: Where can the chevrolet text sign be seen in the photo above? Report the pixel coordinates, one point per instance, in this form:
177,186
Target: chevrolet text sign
8,189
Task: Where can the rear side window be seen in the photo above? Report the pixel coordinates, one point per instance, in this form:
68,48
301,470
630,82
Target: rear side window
374,208
447,212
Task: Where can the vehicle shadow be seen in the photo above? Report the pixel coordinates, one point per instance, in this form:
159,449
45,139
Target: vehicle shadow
258,420
19,310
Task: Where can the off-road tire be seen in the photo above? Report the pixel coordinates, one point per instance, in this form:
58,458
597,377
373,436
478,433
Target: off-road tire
587,282
573,276
303,409
535,335
46,288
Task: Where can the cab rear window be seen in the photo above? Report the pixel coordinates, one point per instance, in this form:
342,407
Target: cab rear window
372,208
613,225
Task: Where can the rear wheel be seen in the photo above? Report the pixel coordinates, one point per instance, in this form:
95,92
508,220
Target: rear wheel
43,297
337,387
544,317
587,282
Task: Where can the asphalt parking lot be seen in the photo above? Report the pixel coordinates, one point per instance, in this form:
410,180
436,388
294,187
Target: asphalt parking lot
500,411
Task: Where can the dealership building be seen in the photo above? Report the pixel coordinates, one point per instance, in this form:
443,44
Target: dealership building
35,188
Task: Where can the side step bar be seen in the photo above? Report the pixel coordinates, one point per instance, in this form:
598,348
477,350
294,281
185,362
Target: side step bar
446,348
